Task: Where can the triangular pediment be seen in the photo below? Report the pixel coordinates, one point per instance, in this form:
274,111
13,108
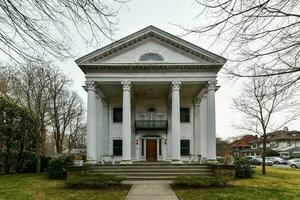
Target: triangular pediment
151,39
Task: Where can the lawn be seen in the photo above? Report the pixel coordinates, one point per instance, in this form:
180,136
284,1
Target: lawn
38,187
279,183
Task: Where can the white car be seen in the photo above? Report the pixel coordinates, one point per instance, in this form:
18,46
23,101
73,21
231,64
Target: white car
294,163
276,160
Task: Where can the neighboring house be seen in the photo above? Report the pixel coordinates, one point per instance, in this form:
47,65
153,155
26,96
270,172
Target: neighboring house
242,146
285,142
151,96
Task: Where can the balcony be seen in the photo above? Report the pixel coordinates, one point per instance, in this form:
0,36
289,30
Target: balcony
151,124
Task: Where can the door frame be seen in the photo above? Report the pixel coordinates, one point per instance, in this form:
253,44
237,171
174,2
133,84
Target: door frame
158,139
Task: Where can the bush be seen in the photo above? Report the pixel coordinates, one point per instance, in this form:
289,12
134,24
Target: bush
95,181
57,168
243,168
26,163
272,153
201,181
295,155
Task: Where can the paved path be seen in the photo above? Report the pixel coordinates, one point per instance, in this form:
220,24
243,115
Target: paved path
151,190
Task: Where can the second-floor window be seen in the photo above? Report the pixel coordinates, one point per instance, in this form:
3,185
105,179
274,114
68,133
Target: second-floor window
184,114
117,114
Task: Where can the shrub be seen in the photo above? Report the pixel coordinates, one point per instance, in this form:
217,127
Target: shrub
44,163
201,181
243,168
95,181
272,153
295,155
57,168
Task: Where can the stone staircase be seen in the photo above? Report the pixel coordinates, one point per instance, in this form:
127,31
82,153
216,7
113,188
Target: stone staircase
150,171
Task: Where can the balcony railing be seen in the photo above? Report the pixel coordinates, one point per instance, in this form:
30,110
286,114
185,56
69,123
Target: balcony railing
151,124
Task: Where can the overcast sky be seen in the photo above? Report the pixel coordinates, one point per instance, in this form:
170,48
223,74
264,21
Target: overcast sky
163,14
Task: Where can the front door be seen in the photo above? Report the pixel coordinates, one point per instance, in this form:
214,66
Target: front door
151,152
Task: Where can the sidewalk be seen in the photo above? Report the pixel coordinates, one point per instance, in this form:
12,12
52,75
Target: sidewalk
151,190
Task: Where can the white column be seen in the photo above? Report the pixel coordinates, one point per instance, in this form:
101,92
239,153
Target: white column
175,121
197,127
203,127
211,121
99,129
126,125
105,128
91,122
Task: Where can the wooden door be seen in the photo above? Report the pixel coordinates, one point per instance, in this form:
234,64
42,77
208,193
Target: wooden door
151,152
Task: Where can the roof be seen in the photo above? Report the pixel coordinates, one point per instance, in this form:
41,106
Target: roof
244,141
281,135
291,150
154,32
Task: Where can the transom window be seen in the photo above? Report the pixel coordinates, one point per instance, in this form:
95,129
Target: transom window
151,57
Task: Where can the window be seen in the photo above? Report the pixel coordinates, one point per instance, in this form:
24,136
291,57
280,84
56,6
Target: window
159,147
184,114
117,114
151,57
117,147
185,147
143,146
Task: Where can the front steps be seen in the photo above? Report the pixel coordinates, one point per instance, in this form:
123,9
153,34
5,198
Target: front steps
148,171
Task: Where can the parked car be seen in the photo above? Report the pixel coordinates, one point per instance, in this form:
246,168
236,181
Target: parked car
294,163
258,161
276,160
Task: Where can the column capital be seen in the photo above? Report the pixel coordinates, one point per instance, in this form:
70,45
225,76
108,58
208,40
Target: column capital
126,85
91,86
176,85
197,102
211,85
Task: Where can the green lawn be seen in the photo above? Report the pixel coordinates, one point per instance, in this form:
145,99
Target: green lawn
279,183
38,187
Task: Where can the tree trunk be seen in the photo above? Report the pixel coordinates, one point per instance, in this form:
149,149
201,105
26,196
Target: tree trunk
38,160
263,155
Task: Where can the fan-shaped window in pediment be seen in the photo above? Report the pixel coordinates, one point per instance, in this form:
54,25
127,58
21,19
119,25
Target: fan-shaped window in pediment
151,57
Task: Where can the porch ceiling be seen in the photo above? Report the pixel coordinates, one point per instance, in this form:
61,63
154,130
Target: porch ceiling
149,90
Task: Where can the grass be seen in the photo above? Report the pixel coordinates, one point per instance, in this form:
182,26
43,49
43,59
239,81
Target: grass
38,187
279,183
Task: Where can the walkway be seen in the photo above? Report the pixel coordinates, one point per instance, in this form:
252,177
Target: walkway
151,190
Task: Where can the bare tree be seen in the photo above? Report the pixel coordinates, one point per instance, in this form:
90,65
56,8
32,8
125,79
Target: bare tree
36,27
65,107
77,136
28,86
261,34
262,100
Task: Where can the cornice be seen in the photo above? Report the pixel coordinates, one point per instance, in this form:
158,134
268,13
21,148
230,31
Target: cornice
160,67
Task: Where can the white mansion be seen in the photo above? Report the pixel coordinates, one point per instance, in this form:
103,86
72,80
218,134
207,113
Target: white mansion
151,97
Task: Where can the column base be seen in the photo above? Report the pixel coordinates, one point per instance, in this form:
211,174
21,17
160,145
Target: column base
176,162
91,162
126,162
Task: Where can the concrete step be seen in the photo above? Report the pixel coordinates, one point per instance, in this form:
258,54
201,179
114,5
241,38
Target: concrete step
148,167
149,170
158,174
163,178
